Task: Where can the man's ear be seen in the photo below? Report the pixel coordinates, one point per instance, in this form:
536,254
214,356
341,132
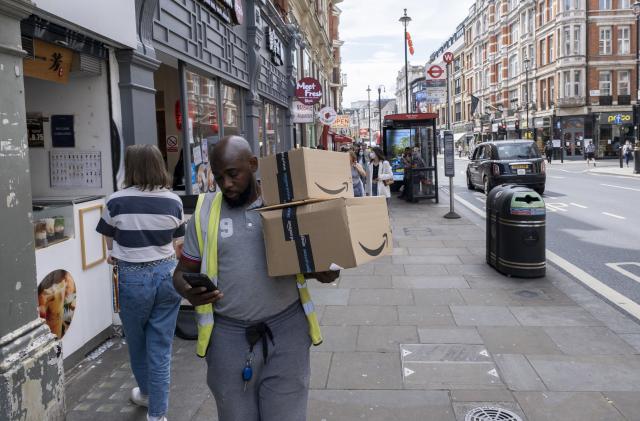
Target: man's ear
253,164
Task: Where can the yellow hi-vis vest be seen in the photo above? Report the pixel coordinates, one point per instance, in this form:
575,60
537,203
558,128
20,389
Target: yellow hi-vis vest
204,313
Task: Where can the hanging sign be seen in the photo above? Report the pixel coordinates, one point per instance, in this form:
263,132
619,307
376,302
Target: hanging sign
274,45
301,113
49,62
308,91
327,116
343,121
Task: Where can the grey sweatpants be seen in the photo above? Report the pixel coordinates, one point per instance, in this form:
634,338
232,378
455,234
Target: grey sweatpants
278,390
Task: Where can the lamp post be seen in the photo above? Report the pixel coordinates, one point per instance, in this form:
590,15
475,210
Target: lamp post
636,149
526,76
405,20
369,107
380,90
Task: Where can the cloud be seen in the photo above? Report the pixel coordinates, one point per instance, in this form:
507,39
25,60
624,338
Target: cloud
373,52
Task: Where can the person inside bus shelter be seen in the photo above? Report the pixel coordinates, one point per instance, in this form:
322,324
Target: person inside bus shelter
417,172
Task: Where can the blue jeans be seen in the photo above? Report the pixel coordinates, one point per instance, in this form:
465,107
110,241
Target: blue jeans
148,309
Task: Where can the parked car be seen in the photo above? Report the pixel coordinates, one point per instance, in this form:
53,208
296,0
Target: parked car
506,162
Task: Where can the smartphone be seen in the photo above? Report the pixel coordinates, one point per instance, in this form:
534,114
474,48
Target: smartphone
199,280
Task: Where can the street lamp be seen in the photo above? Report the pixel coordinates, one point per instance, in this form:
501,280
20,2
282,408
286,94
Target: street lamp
405,20
380,89
369,106
636,149
526,75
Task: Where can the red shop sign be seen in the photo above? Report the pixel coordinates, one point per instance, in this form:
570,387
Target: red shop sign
308,91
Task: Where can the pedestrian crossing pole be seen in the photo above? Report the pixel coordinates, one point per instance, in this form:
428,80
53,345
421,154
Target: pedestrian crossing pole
449,149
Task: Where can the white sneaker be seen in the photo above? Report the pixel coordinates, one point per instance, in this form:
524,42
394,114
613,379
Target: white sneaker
138,398
162,418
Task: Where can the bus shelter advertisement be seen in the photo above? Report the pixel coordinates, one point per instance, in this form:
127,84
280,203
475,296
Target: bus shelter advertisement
399,139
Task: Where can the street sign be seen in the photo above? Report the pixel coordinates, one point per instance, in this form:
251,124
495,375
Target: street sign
435,72
327,116
343,121
301,113
448,57
435,85
449,160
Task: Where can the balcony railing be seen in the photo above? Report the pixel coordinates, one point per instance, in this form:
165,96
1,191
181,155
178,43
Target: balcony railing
606,100
624,99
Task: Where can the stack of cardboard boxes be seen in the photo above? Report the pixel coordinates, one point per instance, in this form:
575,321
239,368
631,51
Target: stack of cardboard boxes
312,222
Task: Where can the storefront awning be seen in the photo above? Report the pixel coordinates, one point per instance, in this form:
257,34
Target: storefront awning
458,136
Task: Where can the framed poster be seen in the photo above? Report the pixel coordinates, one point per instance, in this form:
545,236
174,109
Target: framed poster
62,132
35,130
92,244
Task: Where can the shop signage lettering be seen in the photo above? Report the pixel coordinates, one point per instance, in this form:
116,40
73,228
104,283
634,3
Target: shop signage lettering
222,8
274,45
302,113
343,121
35,130
618,119
308,91
49,62
62,131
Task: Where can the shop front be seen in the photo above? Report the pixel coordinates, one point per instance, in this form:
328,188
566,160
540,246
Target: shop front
543,131
612,130
74,156
573,131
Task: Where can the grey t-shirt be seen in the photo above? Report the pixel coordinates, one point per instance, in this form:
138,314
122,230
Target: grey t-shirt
250,294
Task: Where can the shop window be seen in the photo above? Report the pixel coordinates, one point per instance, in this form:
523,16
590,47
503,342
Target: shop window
270,139
231,110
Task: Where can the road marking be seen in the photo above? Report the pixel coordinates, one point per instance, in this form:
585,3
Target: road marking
620,187
594,284
613,215
556,176
578,206
406,352
408,372
616,267
481,199
554,207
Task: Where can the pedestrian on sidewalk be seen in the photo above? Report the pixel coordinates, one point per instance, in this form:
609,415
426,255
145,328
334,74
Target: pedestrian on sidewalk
627,152
258,360
590,150
142,224
406,165
380,174
548,151
357,175
460,149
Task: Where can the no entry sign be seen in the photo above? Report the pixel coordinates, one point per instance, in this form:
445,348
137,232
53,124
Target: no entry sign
308,91
435,72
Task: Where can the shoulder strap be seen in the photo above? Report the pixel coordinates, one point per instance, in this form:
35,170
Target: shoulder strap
212,236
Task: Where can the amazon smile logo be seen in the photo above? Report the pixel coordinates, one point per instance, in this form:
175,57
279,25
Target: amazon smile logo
334,192
377,251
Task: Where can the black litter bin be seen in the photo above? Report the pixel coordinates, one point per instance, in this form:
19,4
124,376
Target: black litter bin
516,221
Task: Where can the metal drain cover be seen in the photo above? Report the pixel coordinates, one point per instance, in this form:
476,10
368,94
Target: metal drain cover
491,413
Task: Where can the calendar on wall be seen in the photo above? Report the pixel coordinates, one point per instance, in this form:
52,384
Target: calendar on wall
75,169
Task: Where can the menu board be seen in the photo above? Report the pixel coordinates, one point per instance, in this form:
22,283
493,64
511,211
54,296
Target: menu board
75,169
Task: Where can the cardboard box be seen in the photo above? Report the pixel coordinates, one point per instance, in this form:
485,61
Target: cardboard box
316,237
303,174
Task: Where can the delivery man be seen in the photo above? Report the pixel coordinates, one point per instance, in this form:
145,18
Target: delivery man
254,331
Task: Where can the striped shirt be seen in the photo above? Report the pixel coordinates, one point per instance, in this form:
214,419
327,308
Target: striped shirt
143,224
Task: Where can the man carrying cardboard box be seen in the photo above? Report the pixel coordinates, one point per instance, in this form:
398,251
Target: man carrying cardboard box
258,354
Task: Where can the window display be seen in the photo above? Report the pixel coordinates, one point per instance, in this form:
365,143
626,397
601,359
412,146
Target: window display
231,110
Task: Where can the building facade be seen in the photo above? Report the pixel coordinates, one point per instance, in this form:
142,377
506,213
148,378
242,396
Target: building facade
415,72
550,70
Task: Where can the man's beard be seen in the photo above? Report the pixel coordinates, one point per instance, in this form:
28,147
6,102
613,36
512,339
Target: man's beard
243,198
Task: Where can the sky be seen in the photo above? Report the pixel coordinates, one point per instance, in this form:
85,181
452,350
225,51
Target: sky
373,50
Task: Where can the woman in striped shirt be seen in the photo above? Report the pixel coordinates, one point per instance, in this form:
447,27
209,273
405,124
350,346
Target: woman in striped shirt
141,224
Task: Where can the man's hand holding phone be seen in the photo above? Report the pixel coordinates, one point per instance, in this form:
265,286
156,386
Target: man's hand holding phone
199,289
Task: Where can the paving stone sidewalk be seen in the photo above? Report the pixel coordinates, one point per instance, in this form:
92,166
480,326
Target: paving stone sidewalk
426,334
